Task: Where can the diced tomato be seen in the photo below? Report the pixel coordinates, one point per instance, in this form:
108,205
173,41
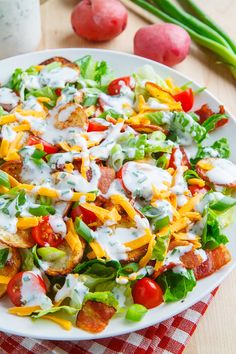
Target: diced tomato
58,91
106,178
216,259
96,127
147,293
194,189
116,85
186,98
15,285
87,216
94,316
184,162
205,112
44,235
48,148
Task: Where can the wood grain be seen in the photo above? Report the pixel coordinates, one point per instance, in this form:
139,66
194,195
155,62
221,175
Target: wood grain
215,333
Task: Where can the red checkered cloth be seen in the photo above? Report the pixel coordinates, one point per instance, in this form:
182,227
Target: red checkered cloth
170,336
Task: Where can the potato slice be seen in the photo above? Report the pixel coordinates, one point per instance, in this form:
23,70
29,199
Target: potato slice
67,263
13,168
21,239
63,61
76,116
11,267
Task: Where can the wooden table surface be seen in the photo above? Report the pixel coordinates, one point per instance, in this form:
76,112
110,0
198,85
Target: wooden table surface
215,333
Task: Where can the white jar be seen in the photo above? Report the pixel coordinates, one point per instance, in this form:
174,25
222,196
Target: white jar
20,26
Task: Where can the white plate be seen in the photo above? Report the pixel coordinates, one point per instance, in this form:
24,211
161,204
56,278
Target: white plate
122,64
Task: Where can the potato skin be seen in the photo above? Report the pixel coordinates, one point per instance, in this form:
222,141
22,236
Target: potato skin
11,268
21,239
13,168
61,60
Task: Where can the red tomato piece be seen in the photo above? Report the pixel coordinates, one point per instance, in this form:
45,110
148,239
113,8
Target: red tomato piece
119,175
15,284
96,127
58,91
186,98
87,216
184,162
116,85
44,235
194,189
147,293
48,148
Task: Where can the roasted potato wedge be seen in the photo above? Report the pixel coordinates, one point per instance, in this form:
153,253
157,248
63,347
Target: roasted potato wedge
135,255
11,267
147,128
224,171
13,168
61,60
77,118
21,239
67,263
6,96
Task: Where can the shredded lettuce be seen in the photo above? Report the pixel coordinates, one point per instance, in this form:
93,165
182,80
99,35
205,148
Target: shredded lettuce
219,148
210,123
160,248
68,309
212,236
45,92
27,259
176,285
106,297
95,272
3,257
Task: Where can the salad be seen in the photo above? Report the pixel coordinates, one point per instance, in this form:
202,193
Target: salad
104,209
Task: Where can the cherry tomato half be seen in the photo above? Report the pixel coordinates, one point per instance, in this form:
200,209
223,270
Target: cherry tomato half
194,189
44,235
87,216
48,148
147,293
186,99
184,162
58,91
15,285
115,86
96,127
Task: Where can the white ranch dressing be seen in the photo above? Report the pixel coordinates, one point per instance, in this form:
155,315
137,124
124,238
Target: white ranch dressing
207,199
121,104
8,222
180,186
32,103
140,177
165,208
74,289
173,256
65,112
7,133
58,77
102,151
7,96
223,171
106,238
155,104
57,224
32,293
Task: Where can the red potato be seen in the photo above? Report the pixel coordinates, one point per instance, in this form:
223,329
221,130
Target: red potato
165,43
99,20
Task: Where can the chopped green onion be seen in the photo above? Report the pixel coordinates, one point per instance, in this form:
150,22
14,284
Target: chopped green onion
83,230
3,257
43,200
159,224
50,253
136,312
4,180
42,210
162,162
38,154
53,65
223,204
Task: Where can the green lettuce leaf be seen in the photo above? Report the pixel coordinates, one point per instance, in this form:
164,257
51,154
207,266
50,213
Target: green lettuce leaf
176,285
68,309
212,236
45,92
210,123
27,259
3,257
220,148
106,297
